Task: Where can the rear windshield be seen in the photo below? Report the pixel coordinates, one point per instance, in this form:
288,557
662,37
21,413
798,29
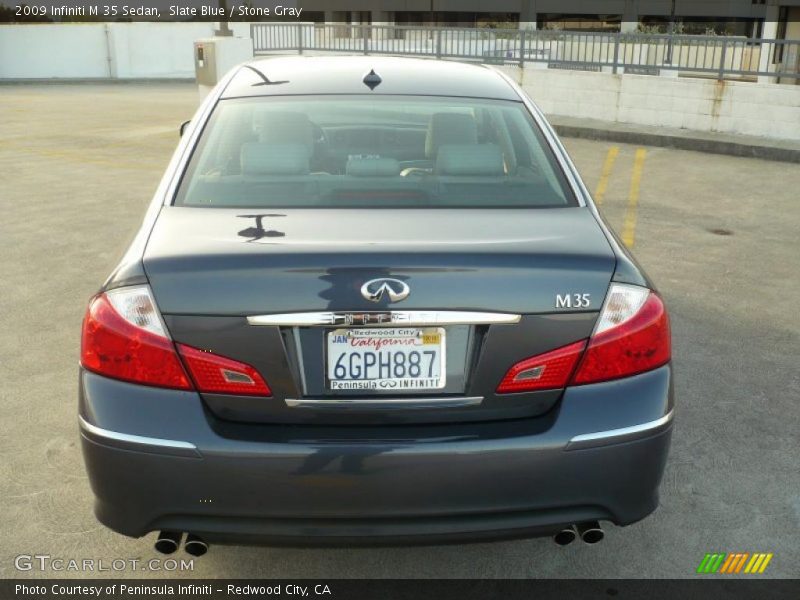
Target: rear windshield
376,152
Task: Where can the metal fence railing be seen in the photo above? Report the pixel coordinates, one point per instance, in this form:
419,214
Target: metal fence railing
722,57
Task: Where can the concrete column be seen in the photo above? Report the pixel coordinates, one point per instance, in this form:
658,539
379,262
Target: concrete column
630,18
338,18
355,19
381,18
769,32
527,14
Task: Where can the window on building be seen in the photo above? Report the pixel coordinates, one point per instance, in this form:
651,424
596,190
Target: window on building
588,22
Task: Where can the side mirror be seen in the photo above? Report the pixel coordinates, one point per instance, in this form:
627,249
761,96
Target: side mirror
183,126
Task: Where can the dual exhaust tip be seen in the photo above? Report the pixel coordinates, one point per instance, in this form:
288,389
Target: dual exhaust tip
590,532
169,541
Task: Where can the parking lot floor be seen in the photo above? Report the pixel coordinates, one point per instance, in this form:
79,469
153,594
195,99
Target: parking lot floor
719,235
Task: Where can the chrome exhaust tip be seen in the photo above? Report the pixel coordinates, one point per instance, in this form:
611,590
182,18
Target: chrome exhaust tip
168,541
566,536
195,545
591,532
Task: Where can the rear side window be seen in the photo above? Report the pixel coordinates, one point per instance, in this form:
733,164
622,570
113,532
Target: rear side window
372,151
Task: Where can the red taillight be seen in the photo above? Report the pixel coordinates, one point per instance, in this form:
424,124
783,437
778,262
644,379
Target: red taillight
638,344
632,336
125,338
219,375
550,370
113,346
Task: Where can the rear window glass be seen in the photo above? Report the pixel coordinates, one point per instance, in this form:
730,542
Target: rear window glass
372,151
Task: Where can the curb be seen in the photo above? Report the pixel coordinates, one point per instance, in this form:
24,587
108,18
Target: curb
697,144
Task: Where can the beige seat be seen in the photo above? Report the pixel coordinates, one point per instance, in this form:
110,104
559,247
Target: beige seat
259,159
449,128
286,128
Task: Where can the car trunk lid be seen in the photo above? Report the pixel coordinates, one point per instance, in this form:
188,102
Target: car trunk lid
242,262
211,269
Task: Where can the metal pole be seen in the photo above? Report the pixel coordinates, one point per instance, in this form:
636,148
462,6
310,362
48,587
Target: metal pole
671,31
616,51
224,30
522,48
109,53
299,38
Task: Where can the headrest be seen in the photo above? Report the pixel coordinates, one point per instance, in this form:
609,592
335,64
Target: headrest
274,159
285,127
450,128
477,160
372,167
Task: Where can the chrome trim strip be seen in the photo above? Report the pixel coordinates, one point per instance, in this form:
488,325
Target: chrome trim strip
138,441
615,436
385,403
383,319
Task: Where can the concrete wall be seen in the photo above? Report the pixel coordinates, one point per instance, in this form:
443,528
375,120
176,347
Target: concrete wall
155,49
53,51
102,50
768,110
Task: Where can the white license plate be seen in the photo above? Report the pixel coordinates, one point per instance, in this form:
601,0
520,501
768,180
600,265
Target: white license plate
380,358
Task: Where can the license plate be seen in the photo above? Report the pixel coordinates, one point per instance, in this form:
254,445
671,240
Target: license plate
396,359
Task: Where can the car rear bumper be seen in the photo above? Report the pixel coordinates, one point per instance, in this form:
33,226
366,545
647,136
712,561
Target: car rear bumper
158,460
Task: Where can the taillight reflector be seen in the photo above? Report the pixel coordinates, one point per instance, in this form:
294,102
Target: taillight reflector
550,370
220,375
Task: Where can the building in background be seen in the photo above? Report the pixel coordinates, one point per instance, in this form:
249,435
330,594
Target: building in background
750,18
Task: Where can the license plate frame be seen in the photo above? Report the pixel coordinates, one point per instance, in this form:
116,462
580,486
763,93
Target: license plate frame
425,339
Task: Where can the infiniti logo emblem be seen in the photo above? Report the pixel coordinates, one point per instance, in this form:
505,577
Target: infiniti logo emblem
375,289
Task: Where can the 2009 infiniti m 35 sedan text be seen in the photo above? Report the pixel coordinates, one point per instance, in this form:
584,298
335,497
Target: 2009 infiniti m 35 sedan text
373,302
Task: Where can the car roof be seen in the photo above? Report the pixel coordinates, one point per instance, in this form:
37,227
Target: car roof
313,75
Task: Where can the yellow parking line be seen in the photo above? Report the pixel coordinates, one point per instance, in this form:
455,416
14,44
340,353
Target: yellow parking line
629,226
608,165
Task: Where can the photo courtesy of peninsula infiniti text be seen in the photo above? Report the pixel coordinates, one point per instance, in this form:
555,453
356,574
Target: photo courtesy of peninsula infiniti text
372,302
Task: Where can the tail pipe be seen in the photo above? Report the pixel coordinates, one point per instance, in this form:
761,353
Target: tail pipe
195,545
566,536
168,541
590,532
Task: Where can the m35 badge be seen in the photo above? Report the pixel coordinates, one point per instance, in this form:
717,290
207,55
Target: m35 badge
573,300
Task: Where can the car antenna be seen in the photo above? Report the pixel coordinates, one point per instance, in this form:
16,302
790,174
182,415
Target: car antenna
265,79
372,79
